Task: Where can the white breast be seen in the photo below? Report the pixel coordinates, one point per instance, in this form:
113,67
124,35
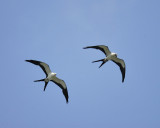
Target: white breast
51,75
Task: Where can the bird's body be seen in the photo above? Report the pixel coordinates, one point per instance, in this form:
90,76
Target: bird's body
50,76
110,56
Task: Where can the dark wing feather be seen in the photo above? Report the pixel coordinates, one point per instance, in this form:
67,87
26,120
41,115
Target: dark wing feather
121,65
103,48
62,85
44,66
65,93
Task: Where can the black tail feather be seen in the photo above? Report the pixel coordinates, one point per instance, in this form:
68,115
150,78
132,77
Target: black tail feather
102,64
98,60
39,80
45,86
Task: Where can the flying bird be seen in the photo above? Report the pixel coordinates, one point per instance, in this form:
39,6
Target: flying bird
109,56
50,76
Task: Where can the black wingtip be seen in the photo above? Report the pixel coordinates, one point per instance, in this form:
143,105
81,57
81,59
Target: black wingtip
84,47
27,60
34,62
65,93
123,76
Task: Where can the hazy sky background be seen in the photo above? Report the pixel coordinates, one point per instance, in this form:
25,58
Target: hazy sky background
55,31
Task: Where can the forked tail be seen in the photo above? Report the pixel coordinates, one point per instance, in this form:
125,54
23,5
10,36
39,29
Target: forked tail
44,81
103,62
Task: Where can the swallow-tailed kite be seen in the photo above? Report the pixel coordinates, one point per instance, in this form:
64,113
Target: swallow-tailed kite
110,56
50,76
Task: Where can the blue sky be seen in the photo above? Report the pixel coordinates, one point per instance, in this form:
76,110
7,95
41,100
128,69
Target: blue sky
55,31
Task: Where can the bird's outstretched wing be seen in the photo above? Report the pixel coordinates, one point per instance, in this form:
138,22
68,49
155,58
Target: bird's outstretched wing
44,66
62,85
103,48
121,65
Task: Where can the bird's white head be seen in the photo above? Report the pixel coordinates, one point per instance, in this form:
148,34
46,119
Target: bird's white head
115,54
53,74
